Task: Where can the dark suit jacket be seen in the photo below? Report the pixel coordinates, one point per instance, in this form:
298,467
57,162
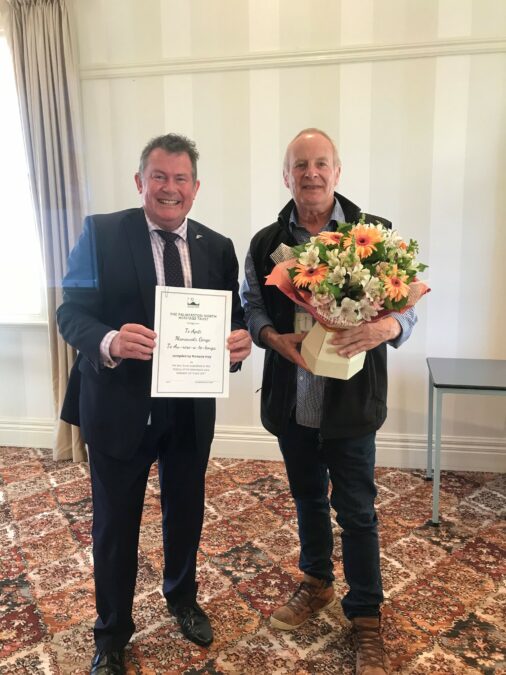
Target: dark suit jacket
111,281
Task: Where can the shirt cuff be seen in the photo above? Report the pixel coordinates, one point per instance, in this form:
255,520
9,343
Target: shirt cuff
106,360
405,325
255,325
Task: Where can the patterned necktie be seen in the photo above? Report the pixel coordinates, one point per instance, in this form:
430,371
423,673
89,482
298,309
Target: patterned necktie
171,260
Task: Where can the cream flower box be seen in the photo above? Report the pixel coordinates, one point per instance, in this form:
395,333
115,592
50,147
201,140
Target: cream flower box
321,356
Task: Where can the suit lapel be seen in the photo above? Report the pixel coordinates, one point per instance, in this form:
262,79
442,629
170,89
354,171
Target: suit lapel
199,255
140,244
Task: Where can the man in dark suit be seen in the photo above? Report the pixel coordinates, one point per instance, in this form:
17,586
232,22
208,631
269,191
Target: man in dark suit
108,316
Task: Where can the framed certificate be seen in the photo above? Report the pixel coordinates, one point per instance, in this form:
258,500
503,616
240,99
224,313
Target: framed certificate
190,358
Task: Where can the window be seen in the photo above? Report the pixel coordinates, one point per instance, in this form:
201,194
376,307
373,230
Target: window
21,278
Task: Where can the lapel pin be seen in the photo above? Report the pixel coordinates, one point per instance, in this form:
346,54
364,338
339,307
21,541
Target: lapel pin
199,236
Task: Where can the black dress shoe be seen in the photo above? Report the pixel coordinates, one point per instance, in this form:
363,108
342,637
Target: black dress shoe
194,623
108,663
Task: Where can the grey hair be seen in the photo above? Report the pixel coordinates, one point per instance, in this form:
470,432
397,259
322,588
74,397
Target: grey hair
174,144
311,130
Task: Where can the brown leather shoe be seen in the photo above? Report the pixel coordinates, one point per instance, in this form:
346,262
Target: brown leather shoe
371,656
311,597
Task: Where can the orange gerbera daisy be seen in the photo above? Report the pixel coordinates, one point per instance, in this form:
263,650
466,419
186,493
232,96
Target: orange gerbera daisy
330,238
395,286
366,239
309,276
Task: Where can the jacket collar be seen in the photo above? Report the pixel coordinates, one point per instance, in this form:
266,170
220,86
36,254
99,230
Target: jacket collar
199,254
351,211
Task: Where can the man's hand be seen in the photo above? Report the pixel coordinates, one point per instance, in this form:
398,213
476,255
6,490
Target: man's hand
351,341
285,344
239,345
133,341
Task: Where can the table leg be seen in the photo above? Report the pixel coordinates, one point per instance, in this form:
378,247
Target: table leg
428,475
437,458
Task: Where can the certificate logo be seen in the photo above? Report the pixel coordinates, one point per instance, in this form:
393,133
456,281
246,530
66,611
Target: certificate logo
192,302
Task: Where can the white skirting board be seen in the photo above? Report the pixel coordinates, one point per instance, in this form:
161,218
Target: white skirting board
405,451
26,433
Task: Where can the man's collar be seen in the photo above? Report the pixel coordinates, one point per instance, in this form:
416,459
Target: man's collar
333,220
181,231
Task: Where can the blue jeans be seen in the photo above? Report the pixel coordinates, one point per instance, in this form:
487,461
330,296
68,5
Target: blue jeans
349,463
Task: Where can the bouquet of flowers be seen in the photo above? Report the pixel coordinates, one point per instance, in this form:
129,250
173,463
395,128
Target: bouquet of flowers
361,272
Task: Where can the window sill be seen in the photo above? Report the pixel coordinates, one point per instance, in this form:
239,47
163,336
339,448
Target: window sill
20,323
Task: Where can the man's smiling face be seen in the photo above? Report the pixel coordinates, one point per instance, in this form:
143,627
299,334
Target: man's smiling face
167,188
310,172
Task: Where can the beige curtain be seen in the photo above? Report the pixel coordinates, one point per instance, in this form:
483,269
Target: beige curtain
47,78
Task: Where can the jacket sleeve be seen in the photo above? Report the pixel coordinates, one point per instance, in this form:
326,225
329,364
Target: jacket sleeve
231,283
254,309
79,316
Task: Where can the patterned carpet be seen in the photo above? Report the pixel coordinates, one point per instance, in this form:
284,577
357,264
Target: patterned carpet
446,597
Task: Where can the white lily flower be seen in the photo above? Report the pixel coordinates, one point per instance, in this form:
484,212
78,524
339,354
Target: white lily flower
337,276
372,288
325,302
310,257
349,310
365,275
358,274
367,310
392,239
333,258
